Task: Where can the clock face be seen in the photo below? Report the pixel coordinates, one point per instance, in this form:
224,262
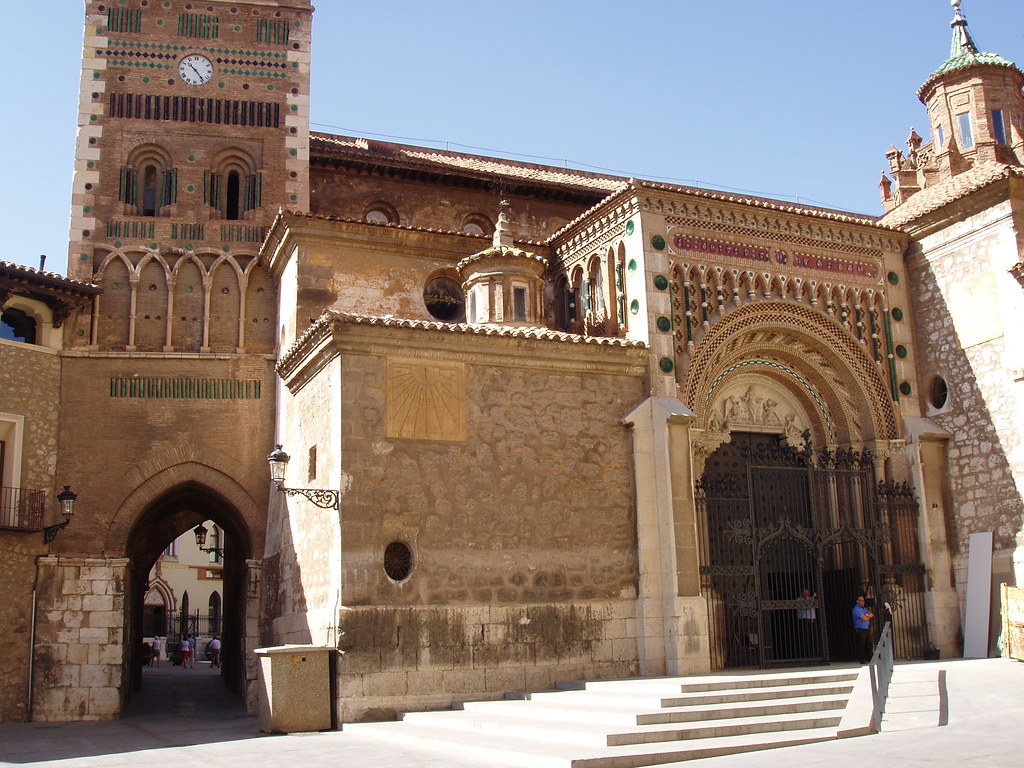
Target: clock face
195,69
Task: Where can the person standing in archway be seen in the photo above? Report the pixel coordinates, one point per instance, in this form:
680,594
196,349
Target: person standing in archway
807,622
862,627
214,649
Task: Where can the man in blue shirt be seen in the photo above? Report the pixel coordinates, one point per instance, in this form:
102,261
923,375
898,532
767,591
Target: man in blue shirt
862,627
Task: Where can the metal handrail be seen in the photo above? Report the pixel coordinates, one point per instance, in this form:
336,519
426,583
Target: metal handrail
880,668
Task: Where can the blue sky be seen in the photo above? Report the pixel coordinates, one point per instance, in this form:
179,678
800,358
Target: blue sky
796,100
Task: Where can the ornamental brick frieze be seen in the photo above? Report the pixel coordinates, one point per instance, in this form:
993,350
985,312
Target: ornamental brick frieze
789,230
796,287
706,294
603,231
792,336
723,243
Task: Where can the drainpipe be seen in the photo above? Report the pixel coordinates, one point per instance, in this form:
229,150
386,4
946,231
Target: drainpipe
32,642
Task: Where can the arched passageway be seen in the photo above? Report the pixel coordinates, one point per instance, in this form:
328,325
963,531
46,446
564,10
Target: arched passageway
178,511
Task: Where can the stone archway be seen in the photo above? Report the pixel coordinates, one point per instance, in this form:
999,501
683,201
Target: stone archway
804,352
165,507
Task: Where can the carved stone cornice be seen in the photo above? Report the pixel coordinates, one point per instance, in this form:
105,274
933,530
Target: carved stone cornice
600,229
772,218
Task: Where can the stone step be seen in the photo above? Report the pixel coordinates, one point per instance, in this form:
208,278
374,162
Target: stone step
720,681
512,750
736,695
724,711
654,697
637,722
538,726
614,712
732,682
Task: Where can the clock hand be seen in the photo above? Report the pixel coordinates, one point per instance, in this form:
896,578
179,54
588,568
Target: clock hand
198,73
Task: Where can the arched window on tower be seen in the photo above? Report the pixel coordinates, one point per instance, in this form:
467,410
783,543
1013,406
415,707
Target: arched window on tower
147,182
149,187
563,310
232,209
233,186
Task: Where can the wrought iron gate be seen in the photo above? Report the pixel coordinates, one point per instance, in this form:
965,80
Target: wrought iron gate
790,540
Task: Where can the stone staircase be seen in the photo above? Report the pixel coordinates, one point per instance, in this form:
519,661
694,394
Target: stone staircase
636,722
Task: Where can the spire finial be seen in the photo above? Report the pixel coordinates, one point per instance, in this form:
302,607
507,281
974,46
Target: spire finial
503,230
963,43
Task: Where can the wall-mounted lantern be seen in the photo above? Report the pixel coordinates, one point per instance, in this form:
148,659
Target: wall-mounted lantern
67,509
278,461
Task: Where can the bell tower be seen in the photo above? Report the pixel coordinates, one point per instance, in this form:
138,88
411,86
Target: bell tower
193,131
976,114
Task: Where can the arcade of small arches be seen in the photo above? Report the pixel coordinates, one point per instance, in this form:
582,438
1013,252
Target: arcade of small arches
189,301
704,292
590,297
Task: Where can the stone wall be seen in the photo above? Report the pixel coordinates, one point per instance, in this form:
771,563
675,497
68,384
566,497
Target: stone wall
503,466
302,572
398,658
17,566
79,650
29,388
967,309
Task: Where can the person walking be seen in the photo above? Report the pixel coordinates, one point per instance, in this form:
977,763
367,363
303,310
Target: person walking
156,650
862,617
186,651
192,651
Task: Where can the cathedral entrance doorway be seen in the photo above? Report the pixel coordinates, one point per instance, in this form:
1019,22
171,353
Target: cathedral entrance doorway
155,536
791,538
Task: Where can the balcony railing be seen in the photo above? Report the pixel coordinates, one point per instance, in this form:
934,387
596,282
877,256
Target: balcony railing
21,509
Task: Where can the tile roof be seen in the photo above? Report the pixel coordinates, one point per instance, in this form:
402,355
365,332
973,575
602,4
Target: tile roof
330,316
441,161
444,161
404,227
948,191
10,269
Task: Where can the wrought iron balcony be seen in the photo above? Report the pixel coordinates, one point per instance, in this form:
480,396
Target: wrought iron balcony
21,509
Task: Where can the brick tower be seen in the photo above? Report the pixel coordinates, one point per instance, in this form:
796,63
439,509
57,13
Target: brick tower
193,131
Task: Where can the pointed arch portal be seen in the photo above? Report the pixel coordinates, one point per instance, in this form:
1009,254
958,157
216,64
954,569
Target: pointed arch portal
177,510
777,520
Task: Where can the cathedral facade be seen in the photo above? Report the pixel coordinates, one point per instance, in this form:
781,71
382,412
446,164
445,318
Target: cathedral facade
533,424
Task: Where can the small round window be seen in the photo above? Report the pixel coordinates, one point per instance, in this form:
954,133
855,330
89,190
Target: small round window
938,393
377,217
397,561
444,299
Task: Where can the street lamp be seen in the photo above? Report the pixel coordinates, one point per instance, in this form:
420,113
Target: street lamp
201,531
278,461
67,509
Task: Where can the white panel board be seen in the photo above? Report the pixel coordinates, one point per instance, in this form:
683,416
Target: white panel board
979,595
